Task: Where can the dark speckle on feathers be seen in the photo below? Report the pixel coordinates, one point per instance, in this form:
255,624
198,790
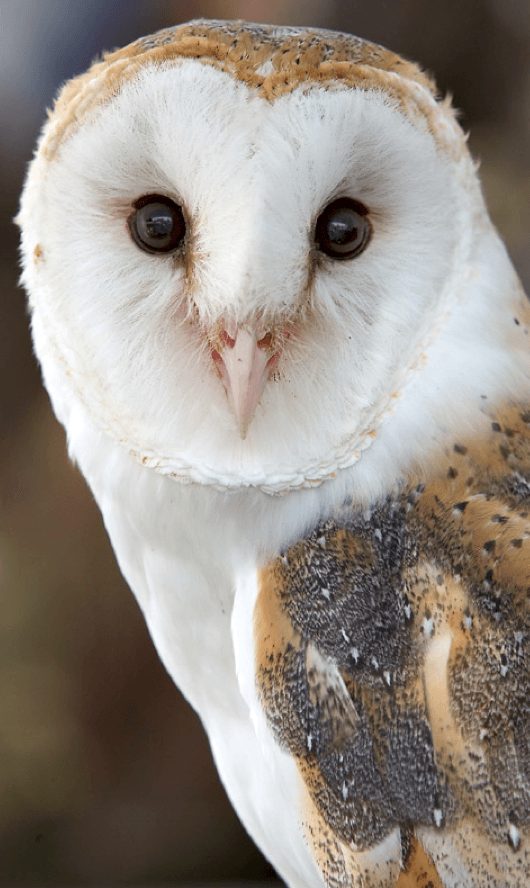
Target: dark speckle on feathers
354,574
367,594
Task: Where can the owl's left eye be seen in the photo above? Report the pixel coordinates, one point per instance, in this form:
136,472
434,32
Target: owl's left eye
343,229
157,224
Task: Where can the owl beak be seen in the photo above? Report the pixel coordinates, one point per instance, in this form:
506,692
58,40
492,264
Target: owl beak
244,364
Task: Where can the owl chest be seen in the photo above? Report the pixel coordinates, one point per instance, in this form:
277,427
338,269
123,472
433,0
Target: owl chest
182,569
182,547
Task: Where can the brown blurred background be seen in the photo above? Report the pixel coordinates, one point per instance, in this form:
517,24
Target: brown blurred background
105,774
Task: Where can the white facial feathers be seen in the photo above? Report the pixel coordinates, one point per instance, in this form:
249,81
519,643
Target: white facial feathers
137,331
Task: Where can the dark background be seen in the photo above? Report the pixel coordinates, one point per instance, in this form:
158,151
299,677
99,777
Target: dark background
105,774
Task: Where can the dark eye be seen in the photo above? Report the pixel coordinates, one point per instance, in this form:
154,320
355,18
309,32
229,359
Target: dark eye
157,224
343,229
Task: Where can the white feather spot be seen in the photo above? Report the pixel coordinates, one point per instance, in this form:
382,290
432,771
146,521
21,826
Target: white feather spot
375,662
387,677
355,654
344,791
326,593
265,69
428,626
408,611
378,535
467,622
504,670
322,542
514,837
438,817
345,636
309,742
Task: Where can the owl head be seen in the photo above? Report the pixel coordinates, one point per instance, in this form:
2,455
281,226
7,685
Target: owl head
249,250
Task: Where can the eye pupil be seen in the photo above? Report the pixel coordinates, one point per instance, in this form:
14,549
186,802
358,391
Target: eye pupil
158,224
343,229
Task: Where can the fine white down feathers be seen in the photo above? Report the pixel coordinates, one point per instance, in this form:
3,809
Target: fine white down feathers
252,173
276,322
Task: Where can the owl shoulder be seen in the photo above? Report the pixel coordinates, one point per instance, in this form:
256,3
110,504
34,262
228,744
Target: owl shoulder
391,653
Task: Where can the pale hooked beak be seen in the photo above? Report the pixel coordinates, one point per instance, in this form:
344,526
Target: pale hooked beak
244,364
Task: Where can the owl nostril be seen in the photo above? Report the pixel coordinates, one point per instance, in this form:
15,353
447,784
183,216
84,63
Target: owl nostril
229,341
226,339
265,341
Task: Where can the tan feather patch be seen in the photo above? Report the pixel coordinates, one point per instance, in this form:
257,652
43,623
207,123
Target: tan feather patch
419,871
290,57
395,665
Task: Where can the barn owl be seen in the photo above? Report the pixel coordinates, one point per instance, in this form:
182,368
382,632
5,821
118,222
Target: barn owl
291,357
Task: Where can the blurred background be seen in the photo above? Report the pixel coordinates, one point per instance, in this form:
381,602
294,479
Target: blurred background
105,774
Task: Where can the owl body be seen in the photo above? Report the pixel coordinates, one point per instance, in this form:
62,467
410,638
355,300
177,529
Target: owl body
291,357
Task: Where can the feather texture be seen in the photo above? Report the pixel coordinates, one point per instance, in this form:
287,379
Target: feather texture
341,591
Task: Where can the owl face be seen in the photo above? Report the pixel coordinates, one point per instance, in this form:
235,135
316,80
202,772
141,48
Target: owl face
235,283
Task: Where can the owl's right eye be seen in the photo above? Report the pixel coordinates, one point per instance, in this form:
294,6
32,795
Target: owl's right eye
157,224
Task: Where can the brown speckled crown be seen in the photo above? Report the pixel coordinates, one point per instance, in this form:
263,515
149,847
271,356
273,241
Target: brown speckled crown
296,54
273,60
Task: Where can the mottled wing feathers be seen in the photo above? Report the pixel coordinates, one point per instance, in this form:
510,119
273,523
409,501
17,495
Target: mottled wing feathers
393,658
